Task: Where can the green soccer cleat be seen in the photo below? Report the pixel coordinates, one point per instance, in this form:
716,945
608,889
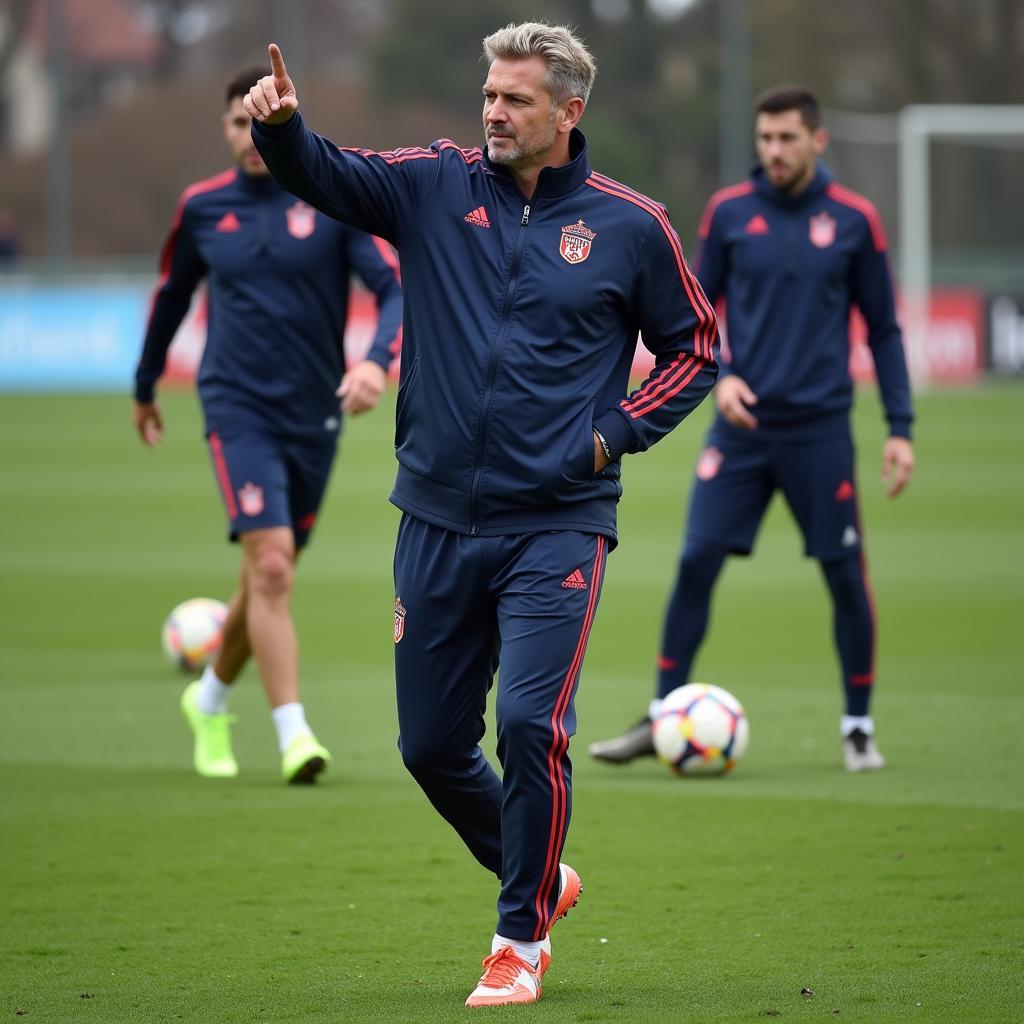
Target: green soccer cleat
212,754
304,759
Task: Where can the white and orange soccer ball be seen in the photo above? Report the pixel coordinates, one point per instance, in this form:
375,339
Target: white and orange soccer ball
193,632
700,729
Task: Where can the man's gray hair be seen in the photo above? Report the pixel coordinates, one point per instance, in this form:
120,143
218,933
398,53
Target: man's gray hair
571,68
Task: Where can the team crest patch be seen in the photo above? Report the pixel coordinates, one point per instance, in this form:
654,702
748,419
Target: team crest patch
709,463
823,230
301,220
399,619
577,241
250,499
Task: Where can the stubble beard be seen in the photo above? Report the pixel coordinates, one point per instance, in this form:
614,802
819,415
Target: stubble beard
521,149
795,177
503,155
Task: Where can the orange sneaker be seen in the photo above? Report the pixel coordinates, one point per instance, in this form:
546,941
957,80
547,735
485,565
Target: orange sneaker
507,979
570,888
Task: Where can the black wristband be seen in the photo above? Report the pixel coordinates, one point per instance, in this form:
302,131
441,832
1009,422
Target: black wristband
604,444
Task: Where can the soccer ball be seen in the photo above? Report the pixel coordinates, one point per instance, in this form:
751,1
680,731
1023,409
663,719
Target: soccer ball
700,730
193,631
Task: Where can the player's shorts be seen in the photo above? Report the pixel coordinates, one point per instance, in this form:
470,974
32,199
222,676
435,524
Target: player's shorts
266,481
737,474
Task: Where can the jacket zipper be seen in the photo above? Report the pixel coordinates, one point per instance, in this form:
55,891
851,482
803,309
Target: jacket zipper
492,371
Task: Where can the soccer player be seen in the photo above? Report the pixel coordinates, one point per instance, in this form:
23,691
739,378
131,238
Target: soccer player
277,277
527,276
790,251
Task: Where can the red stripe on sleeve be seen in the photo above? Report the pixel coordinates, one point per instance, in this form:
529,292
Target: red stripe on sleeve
167,253
704,335
400,156
742,189
680,365
863,205
387,254
680,383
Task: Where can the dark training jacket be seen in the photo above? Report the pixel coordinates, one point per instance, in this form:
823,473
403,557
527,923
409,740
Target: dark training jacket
789,270
278,276
521,320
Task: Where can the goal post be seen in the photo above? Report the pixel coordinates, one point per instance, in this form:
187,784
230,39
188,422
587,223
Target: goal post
918,126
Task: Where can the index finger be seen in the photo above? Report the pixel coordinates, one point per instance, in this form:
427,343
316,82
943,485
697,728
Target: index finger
277,61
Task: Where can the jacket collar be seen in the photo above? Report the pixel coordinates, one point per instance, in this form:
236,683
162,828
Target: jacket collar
257,184
815,190
553,182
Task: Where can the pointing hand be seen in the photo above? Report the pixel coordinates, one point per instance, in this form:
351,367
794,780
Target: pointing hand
272,99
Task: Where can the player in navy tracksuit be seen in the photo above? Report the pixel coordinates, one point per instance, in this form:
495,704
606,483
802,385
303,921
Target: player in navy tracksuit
790,252
527,277
277,277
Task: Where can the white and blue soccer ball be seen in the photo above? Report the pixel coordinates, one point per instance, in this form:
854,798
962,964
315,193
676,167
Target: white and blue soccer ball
700,729
193,632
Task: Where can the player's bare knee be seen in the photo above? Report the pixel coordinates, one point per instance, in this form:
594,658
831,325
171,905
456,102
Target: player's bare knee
271,571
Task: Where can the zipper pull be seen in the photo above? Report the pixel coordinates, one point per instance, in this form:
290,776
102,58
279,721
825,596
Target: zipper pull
526,215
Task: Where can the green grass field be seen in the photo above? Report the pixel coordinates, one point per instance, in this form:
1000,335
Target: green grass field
133,891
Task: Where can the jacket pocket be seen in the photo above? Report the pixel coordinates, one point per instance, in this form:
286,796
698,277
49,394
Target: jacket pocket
579,464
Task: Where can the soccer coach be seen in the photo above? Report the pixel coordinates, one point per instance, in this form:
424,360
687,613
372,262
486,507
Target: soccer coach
527,276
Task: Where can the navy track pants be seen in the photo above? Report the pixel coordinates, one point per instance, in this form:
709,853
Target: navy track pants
462,606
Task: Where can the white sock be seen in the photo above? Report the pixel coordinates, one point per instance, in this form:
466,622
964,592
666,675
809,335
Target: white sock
655,709
529,951
212,698
848,723
290,721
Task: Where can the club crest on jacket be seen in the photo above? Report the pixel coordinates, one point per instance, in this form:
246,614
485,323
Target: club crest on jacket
823,230
301,220
577,240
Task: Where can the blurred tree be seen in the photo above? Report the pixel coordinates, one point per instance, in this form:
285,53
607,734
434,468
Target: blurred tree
401,72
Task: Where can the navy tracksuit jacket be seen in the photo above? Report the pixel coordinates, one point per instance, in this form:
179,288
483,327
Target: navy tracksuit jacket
278,276
789,269
521,318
